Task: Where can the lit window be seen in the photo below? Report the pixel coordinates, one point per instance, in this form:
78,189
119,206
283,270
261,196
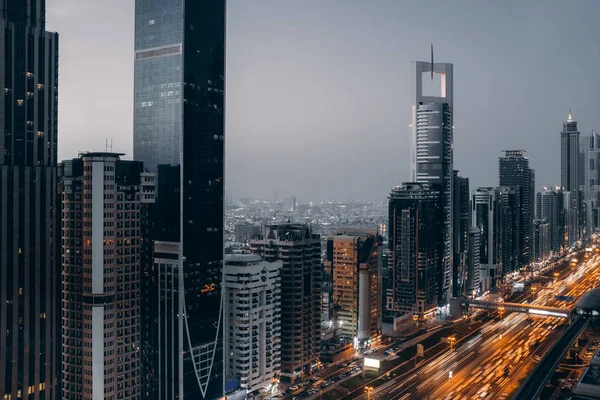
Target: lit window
19,102
151,22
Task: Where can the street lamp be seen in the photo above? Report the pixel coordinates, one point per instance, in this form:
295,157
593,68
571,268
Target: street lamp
368,389
501,309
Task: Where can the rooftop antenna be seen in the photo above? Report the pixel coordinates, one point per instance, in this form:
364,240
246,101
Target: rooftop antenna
108,145
432,62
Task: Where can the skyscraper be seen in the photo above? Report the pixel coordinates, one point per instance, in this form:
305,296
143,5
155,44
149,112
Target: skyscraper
416,239
510,229
569,176
102,198
514,172
252,311
354,257
462,223
29,220
591,147
541,240
486,217
432,158
301,275
179,126
473,258
552,211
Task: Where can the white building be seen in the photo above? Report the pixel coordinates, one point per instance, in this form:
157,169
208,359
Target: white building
252,316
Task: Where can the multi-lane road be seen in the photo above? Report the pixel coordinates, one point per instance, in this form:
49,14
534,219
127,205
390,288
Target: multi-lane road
491,364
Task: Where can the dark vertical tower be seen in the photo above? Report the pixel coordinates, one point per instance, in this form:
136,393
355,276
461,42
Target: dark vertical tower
29,230
552,211
416,239
569,176
179,122
461,224
510,229
514,172
486,217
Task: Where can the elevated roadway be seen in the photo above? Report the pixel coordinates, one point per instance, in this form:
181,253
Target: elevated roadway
538,310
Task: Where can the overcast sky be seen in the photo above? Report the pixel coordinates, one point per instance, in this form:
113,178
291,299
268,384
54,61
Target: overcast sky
318,102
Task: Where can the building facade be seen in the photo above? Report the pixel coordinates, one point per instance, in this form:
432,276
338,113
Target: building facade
432,154
416,240
486,217
102,198
301,275
179,132
569,178
591,197
541,240
252,331
551,209
354,257
473,285
514,172
462,222
29,221
510,230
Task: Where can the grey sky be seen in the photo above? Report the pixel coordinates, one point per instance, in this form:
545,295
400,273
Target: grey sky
318,90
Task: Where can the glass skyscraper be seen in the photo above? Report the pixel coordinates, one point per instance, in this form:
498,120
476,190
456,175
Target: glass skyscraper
29,228
179,132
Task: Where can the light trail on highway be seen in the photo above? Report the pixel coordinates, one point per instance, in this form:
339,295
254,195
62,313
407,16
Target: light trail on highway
488,365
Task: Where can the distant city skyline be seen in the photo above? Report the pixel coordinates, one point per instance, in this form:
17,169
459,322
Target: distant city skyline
310,96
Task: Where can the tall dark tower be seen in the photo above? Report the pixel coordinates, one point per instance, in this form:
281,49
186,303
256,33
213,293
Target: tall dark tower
569,176
432,155
179,132
514,172
29,229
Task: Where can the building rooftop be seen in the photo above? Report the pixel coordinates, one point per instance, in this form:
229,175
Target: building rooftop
242,259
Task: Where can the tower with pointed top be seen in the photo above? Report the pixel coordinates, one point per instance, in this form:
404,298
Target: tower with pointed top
569,178
432,155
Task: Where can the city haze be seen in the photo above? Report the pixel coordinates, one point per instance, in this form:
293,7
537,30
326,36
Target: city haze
318,92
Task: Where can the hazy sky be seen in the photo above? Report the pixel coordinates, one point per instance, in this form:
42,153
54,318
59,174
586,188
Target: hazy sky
318,102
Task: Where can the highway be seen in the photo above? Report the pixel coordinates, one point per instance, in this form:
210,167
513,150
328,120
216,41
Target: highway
490,365
534,383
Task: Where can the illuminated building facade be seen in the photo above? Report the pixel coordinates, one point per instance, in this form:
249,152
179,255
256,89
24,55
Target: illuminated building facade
354,257
252,313
299,249
417,242
102,198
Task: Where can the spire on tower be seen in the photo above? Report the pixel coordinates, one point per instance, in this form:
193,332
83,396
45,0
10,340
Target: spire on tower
432,62
570,117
